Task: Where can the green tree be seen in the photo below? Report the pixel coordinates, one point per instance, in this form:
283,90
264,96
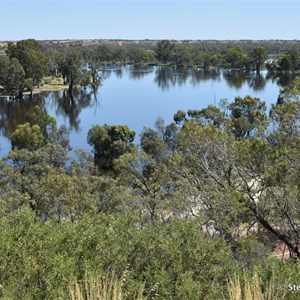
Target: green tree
236,58
204,59
152,143
160,142
32,58
258,56
12,76
284,63
180,55
46,122
238,182
294,59
109,142
290,93
150,183
163,51
202,168
138,56
96,57
211,115
70,68
27,136
247,116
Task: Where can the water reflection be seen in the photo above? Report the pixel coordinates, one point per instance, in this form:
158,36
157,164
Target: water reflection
107,71
105,74
237,80
166,77
119,73
71,104
201,75
137,73
283,80
257,82
127,103
15,112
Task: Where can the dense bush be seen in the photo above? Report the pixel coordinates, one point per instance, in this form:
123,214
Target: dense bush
174,261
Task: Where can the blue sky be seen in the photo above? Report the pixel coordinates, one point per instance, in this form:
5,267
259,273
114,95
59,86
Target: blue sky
154,19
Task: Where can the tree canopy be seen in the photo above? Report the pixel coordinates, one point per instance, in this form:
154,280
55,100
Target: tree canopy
109,142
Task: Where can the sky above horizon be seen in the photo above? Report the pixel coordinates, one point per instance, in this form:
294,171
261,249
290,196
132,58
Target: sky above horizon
169,19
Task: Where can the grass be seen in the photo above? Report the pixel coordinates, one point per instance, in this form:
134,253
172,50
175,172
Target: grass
50,84
101,288
252,289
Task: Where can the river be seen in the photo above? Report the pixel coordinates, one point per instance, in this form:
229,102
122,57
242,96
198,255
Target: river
135,97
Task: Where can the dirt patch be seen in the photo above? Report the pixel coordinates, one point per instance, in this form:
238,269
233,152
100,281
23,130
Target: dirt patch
281,252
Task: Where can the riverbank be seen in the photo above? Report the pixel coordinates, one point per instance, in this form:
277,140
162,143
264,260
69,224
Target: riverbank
50,84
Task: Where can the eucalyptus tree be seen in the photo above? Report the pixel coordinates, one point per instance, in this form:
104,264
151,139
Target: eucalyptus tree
164,50
139,56
40,130
236,58
110,142
247,116
234,182
294,55
284,63
27,136
258,56
204,59
181,55
32,57
12,76
150,185
96,57
70,67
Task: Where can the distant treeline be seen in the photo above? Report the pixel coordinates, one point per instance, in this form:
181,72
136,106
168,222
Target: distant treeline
28,62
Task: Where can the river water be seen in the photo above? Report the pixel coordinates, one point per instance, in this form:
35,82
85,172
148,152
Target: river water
135,97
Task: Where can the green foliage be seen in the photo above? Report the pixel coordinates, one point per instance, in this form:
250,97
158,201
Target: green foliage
27,136
180,261
179,116
174,261
39,131
32,57
290,93
183,211
12,76
152,143
236,58
258,56
110,142
204,59
248,115
163,51
138,56
41,181
69,66
211,115
150,183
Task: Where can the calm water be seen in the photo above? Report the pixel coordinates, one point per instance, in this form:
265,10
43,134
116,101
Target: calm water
135,97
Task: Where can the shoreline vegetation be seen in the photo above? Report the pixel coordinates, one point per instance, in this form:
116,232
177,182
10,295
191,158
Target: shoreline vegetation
200,208
50,84
25,64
